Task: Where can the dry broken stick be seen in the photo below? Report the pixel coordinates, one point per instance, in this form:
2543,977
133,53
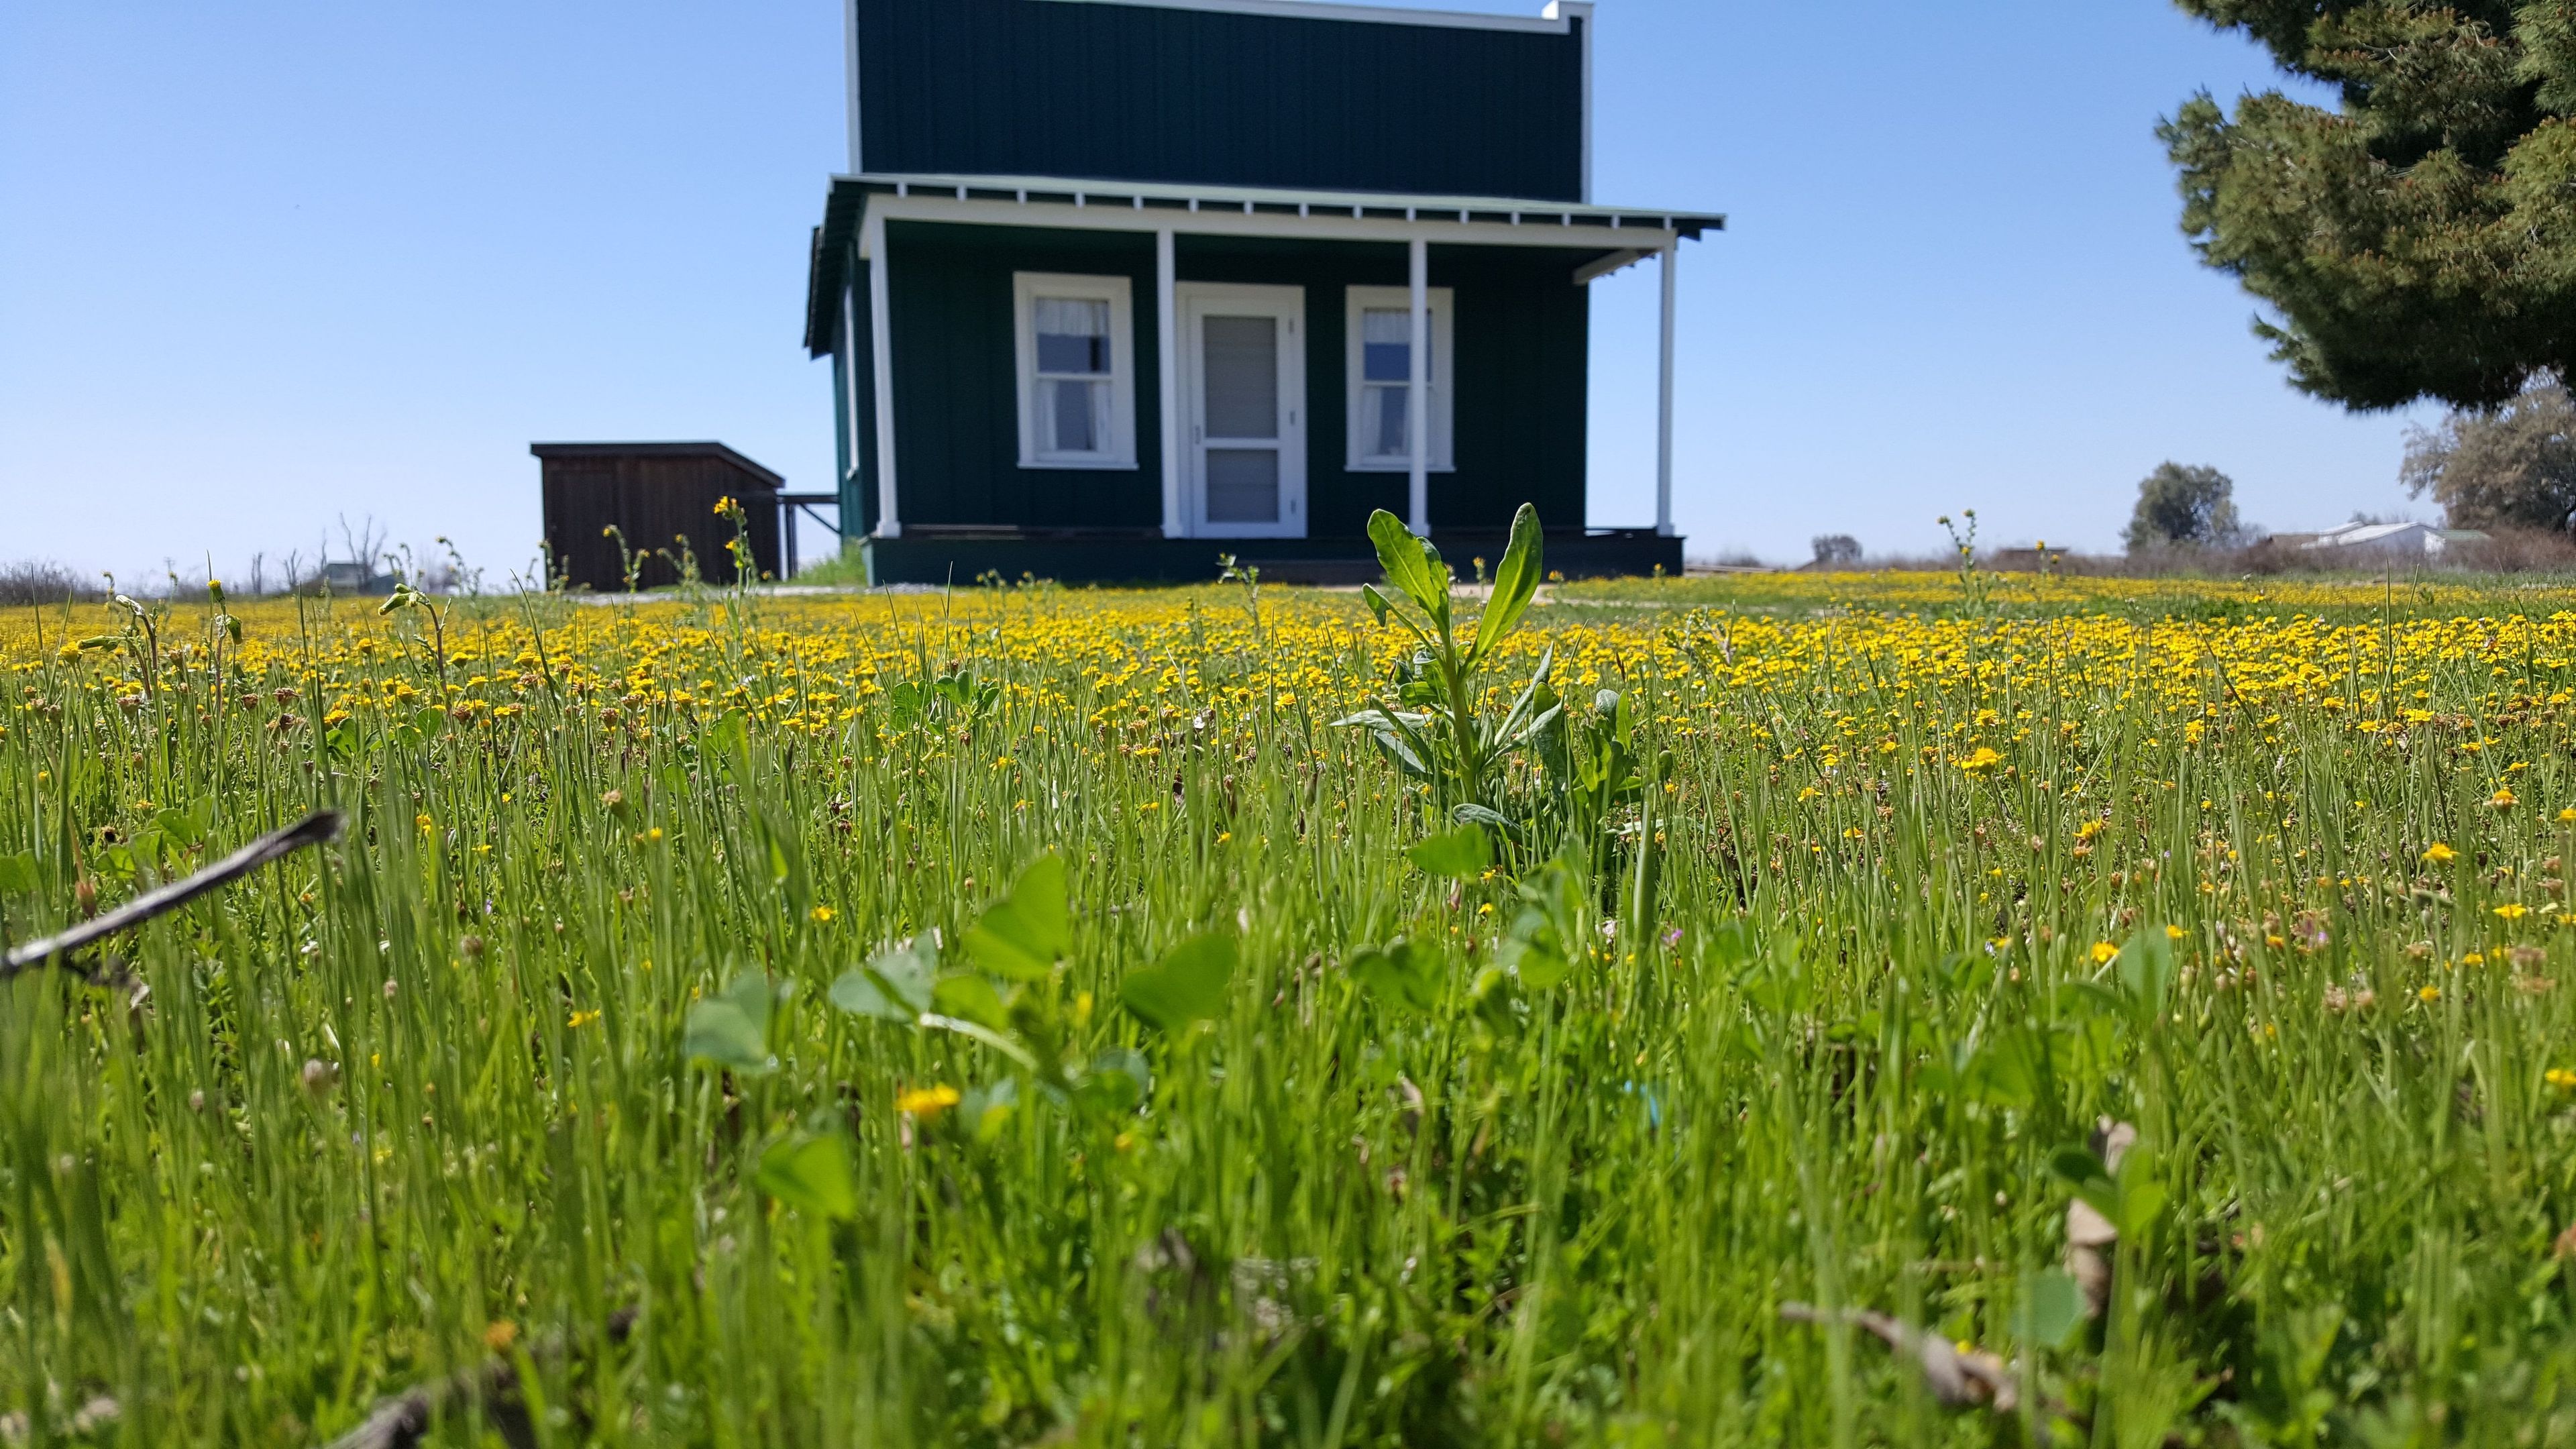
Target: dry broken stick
1957,1377
2090,1236
492,1386
313,829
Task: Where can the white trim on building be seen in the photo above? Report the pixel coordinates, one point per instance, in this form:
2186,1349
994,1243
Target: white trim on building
1549,23
1357,303
1112,425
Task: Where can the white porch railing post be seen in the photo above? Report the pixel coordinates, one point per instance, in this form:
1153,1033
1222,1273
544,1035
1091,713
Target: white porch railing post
1167,335
1417,400
881,354
1664,402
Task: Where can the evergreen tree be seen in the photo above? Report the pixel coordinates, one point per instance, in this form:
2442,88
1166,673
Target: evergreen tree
2419,241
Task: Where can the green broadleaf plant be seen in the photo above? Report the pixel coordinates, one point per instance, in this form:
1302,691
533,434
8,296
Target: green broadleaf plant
894,986
18,874
1451,743
1187,986
1460,854
812,1173
1030,930
1403,975
731,1030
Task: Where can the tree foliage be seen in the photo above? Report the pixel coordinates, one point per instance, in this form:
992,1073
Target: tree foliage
2181,507
2506,467
2419,241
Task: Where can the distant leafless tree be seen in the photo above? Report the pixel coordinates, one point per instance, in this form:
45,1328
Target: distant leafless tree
42,582
1836,548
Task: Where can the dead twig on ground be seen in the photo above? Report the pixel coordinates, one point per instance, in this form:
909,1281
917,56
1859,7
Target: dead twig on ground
1959,1378
403,1421
313,829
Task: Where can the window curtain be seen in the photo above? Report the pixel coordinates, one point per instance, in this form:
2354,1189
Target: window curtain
1386,378
1073,374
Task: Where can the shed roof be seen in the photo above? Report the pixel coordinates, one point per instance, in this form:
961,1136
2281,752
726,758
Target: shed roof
657,450
1583,224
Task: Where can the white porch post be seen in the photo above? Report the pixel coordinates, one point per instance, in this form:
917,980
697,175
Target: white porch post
1167,382
850,403
1417,399
1664,403
881,356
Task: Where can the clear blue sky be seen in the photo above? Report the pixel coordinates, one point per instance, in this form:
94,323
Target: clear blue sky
268,263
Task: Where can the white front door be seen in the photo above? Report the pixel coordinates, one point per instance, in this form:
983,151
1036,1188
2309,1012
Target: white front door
1243,409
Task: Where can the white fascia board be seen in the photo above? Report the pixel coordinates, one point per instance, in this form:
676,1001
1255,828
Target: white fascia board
1211,202
1430,226
1548,24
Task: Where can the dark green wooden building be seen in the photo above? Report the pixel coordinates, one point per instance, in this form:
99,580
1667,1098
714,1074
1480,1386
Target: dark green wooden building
1118,285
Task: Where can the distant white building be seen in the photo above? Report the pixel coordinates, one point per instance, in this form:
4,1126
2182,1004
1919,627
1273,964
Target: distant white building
2402,540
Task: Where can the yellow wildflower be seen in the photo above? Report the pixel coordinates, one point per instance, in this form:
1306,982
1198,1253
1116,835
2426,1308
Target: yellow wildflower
926,1102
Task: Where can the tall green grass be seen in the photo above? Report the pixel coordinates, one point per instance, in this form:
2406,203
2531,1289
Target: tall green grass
423,1099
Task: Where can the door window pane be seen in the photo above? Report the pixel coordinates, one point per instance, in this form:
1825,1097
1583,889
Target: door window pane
1242,485
1242,377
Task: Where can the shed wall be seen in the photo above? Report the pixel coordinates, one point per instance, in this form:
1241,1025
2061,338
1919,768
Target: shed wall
653,501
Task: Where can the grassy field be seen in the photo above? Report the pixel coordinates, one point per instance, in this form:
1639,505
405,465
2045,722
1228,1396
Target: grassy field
1027,1016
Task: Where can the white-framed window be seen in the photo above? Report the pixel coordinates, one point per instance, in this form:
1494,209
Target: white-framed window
1077,371
1379,325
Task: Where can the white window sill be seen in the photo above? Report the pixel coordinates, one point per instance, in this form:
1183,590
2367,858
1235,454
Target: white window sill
1088,465
1398,467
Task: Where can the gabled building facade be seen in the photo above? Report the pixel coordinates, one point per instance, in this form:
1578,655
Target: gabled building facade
1116,285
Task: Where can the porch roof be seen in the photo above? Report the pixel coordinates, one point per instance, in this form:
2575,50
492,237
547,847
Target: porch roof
1618,233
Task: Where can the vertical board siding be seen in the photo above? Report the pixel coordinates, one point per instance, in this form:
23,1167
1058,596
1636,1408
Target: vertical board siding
1523,344
1522,339
1142,93
957,429
654,501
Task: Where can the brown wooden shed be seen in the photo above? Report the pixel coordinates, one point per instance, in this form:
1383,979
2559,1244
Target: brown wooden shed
655,494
